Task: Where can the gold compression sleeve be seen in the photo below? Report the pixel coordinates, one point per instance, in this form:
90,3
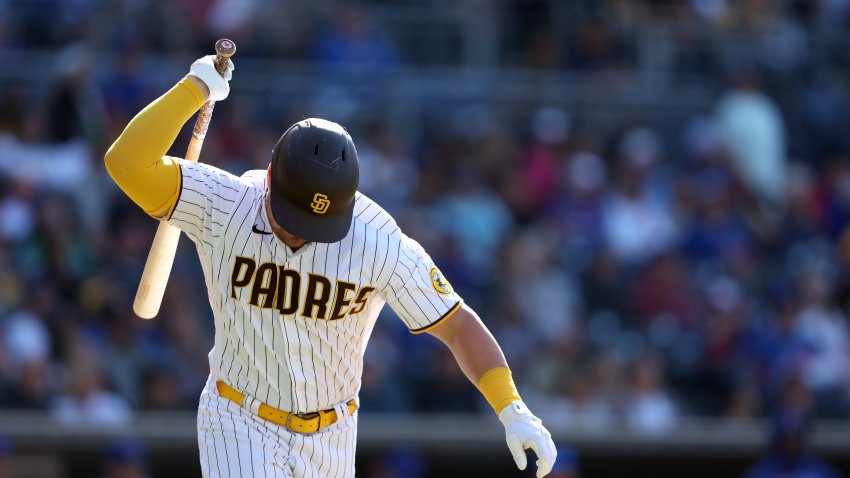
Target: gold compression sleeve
137,161
498,388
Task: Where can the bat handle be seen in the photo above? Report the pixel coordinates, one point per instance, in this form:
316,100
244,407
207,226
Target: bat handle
224,49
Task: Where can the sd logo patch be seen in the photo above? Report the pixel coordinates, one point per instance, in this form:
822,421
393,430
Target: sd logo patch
320,203
439,282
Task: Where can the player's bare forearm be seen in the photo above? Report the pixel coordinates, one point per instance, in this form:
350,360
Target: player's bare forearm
135,161
472,345
481,359
479,356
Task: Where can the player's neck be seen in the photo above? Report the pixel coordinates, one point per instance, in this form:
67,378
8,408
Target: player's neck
294,245
293,242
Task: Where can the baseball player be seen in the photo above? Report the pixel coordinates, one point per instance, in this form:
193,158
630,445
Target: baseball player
297,265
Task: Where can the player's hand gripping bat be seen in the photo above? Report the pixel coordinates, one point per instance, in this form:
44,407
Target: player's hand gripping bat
161,257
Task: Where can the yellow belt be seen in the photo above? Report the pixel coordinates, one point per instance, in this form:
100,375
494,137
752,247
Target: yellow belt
303,423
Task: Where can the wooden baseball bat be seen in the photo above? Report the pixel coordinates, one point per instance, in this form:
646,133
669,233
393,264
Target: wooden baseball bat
161,257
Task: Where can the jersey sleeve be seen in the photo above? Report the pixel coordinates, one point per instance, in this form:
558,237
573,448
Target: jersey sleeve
207,197
417,291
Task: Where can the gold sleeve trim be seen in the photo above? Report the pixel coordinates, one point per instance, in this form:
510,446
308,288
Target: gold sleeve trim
179,194
439,321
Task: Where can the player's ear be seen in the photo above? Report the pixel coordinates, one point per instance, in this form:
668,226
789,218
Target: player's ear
269,175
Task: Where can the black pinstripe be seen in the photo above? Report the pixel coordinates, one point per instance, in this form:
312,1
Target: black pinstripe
322,455
348,278
262,454
226,454
322,324
312,358
215,446
238,452
269,384
300,455
253,332
298,337
336,455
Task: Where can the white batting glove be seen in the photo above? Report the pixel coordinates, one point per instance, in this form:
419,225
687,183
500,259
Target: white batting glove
204,70
524,430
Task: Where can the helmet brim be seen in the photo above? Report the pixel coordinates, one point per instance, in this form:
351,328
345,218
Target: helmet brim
308,225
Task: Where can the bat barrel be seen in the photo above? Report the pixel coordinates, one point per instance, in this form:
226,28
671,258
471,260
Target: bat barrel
157,269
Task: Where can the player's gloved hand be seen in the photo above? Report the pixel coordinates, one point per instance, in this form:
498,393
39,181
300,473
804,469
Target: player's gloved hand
204,70
524,430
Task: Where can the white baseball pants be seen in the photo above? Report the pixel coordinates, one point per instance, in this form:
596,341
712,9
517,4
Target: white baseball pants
236,443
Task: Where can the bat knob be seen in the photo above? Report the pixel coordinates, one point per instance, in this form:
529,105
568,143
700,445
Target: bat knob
225,48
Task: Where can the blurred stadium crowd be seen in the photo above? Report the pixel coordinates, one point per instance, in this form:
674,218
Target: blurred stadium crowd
635,276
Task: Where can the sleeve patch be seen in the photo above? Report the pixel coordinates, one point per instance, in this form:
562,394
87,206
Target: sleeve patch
439,282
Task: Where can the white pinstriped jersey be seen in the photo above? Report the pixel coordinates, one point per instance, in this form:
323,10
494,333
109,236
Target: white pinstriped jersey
291,327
